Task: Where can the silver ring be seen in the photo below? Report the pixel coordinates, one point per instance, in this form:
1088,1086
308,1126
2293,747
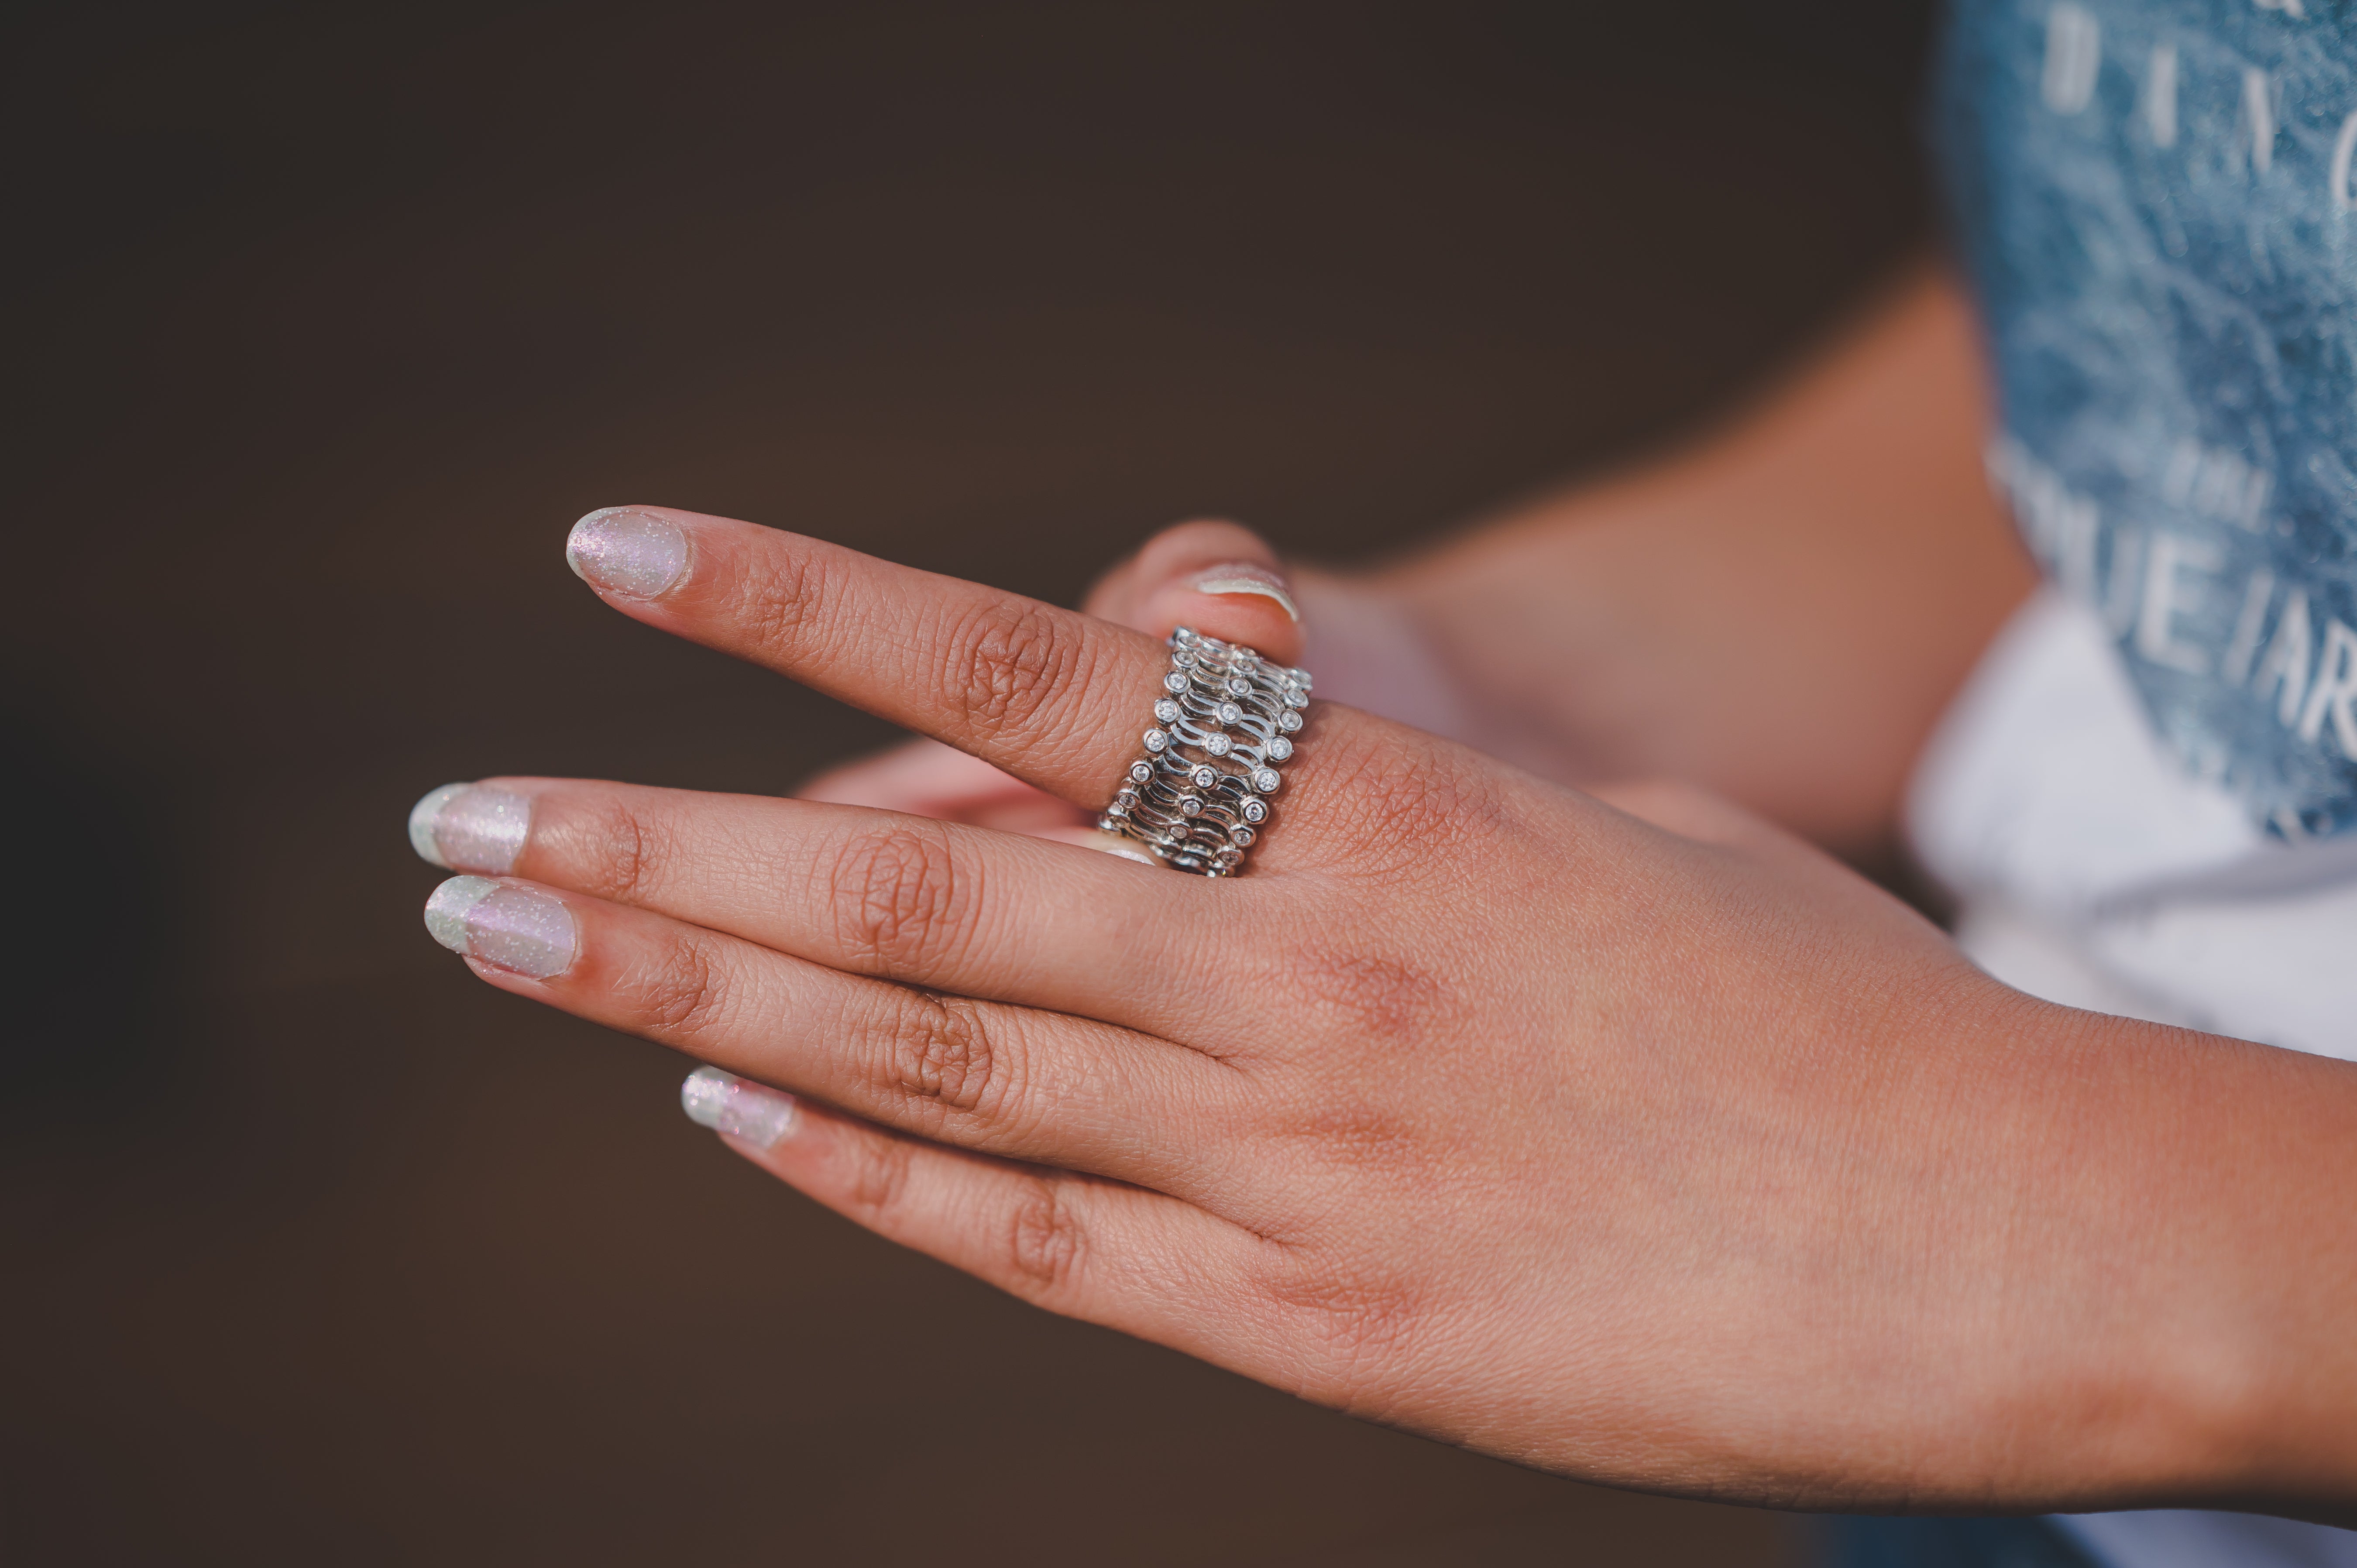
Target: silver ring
1223,726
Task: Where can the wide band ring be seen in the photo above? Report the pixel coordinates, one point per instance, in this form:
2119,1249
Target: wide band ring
1223,725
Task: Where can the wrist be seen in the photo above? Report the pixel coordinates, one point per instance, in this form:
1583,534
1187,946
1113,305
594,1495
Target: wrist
2176,1271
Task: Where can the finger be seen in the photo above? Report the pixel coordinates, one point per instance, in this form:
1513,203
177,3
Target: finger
1130,1259
1057,698
926,778
1218,578
1692,812
875,893
1686,810
1010,1080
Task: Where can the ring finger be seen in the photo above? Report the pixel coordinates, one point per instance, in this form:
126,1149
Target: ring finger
1014,1081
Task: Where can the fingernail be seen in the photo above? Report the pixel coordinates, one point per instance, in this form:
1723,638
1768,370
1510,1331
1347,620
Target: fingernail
1243,577
1114,844
625,551
470,827
505,926
726,1103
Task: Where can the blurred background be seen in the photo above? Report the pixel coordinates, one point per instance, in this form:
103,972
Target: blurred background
325,323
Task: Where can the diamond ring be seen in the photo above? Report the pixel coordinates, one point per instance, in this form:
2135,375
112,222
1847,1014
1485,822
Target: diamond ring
1223,725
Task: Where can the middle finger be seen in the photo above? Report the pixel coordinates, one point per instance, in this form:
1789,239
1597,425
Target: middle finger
943,905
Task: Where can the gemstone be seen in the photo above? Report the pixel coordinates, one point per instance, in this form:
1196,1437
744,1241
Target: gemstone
1300,678
1166,711
1297,699
1265,780
1182,635
1288,721
1279,748
1216,743
1239,686
1255,811
1231,714
1190,806
1241,836
1204,776
1174,682
1156,740
1139,772
1230,857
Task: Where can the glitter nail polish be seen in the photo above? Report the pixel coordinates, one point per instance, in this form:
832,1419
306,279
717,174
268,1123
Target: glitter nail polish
470,827
623,550
1243,577
506,926
726,1103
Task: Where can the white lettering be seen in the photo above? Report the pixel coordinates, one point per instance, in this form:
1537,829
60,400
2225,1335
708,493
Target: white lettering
2234,491
2184,463
2123,580
2335,690
2074,52
2244,646
2344,149
2285,664
2059,524
2160,96
2259,117
2156,632
2212,482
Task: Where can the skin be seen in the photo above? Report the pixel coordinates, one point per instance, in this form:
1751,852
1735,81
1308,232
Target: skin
1619,1131
1778,614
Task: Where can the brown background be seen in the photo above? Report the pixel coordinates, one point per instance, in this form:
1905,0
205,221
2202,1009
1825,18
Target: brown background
326,322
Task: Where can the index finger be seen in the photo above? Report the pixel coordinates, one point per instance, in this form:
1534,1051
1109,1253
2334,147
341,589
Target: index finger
1058,699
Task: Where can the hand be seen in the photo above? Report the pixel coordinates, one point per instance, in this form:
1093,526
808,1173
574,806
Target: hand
1223,580
1667,1153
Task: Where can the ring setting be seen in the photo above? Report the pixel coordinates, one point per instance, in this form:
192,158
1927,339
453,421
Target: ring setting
1199,798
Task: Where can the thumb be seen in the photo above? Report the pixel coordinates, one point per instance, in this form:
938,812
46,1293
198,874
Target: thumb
1220,578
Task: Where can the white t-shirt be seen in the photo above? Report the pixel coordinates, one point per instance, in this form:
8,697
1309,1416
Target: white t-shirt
2092,870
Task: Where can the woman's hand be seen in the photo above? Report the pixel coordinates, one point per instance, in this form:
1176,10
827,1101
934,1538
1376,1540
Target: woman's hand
1675,1156
1223,580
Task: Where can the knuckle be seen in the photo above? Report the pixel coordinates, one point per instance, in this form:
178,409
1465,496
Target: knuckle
879,1179
1015,656
897,894
678,995
1401,801
1370,996
1045,1242
613,847
940,1055
1366,1140
1360,1325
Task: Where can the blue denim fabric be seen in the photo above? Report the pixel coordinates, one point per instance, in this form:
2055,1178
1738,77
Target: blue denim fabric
1948,1544
2152,199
